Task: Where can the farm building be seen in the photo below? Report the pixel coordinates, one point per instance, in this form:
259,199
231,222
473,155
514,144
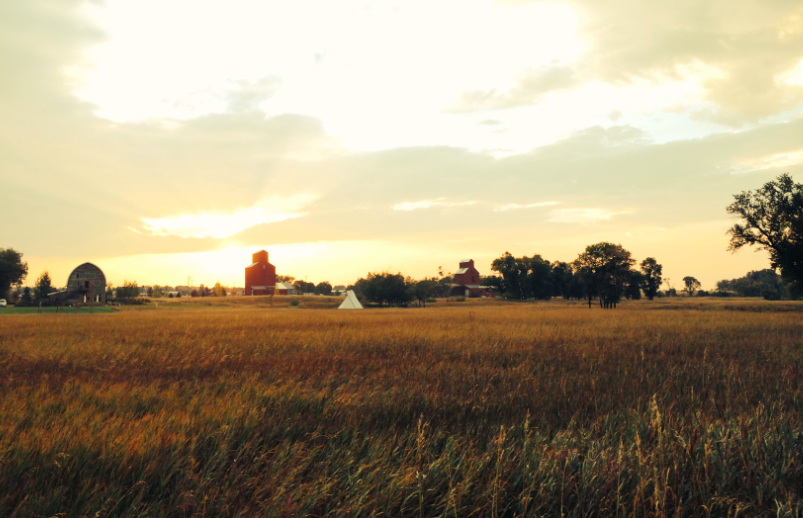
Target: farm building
284,288
260,275
466,282
85,285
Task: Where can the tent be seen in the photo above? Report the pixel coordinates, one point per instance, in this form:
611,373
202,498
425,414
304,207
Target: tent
351,301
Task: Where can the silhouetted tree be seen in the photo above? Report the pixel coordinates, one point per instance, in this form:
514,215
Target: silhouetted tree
562,277
43,286
761,283
424,290
604,269
27,297
539,277
323,288
129,290
634,283
13,270
302,287
386,288
523,277
772,220
691,285
651,276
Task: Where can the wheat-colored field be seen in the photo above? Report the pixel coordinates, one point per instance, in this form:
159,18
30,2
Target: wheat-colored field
236,408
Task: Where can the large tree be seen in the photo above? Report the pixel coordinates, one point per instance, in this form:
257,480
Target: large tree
523,277
651,272
772,220
605,270
385,287
690,285
514,276
13,270
323,288
43,286
424,290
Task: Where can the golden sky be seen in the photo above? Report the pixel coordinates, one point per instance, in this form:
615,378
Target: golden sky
173,138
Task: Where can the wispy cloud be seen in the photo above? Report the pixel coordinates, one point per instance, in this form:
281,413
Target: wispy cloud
771,161
220,226
426,204
583,216
516,206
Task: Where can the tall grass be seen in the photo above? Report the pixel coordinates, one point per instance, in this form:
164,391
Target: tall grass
504,410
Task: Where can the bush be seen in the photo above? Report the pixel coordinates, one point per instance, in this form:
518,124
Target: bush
137,301
771,295
294,302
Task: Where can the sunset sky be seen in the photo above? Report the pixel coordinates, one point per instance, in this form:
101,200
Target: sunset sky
173,138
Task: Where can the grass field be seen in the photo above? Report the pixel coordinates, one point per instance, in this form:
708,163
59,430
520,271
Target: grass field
671,408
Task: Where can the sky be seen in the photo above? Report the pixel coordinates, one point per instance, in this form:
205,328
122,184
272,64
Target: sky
168,140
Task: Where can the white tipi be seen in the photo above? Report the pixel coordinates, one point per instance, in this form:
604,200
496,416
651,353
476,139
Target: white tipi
351,301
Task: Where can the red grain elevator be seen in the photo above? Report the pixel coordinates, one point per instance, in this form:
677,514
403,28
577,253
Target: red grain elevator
260,275
466,282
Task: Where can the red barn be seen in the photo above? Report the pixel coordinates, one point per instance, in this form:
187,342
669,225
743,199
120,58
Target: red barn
260,275
466,282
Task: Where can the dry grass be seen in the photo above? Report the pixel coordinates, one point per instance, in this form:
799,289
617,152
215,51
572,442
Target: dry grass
468,409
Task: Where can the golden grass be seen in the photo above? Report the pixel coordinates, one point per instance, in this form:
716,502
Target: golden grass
481,408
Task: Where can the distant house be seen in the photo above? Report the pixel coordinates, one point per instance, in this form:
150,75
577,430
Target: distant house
146,291
237,292
466,282
85,285
260,275
284,288
339,291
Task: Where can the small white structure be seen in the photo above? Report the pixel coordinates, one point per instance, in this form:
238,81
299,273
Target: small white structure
351,301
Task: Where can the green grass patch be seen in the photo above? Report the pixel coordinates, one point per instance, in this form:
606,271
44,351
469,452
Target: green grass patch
51,310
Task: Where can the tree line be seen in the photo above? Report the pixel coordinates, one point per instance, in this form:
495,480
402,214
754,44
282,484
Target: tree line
603,271
771,220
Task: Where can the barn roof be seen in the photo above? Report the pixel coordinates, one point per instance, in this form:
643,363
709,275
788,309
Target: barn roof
461,270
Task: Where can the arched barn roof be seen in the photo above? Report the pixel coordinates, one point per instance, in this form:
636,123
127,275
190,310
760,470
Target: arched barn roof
87,272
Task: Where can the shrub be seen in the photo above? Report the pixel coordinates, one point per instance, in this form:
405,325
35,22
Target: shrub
771,295
294,302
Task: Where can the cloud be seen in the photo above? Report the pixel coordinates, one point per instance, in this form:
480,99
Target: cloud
530,87
740,65
739,53
582,216
245,96
426,204
775,161
212,225
516,206
221,226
